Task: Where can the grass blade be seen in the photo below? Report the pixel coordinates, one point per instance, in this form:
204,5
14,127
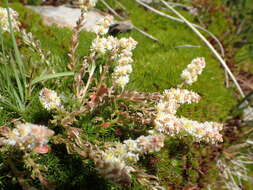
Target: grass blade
16,74
18,58
51,76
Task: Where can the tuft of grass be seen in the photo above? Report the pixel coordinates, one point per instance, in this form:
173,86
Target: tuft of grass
14,94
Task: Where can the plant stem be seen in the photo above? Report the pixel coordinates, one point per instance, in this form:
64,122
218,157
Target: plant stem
20,178
91,73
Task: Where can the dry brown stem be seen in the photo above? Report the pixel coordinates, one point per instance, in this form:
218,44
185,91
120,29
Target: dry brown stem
75,42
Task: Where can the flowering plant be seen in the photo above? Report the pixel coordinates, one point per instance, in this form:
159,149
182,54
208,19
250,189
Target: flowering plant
99,84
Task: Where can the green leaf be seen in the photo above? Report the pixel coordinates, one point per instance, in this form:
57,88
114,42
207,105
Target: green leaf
17,53
51,76
19,73
20,87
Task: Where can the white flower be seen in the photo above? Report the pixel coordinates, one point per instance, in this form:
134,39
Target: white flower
131,145
112,165
125,60
126,53
119,51
87,4
207,131
106,21
122,81
123,70
181,96
171,125
4,23
173,98
28,135
111,43
169,107
99,45
102,45
166,122
131,157
127,43
100,30
49,99
103,25
119,150
195,68
151,143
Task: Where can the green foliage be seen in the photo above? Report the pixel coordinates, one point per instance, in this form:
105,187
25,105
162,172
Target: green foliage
240,11
34,2
156,67
13,94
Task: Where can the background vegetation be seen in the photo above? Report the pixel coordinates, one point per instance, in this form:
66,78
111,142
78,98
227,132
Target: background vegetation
156,67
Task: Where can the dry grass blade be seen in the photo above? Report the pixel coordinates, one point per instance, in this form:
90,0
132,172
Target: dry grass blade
180,20
136,28
222,51
111,9
146,34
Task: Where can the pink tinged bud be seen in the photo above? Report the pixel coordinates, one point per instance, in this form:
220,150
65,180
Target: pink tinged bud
105,125
44,149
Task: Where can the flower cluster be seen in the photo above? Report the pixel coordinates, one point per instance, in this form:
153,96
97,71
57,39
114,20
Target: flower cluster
49,99
168,123
103,25
145,144
103,45
120,51
117,48
4,23
124,59
120,151
111,163
130,150
87,4
195,68
207,131
171,125
173,98
116,160
181,96
113,168
28,136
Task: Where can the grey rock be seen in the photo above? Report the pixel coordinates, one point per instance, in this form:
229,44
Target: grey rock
63,16
120,27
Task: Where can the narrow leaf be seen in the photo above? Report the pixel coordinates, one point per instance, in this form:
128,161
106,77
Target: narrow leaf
51,76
